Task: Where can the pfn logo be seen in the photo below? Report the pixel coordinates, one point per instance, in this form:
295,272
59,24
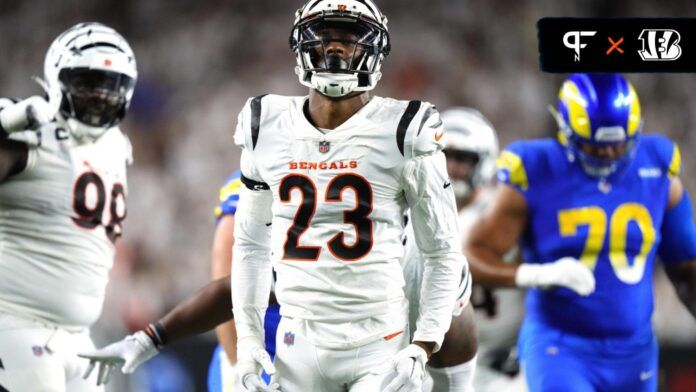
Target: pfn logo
660,45
575,44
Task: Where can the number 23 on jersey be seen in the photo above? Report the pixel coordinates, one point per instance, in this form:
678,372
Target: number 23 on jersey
358,216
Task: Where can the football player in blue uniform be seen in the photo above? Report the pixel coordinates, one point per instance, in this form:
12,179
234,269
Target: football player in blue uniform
591,210
222,375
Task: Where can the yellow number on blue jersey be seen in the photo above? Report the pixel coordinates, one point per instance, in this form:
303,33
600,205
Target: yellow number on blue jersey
596,218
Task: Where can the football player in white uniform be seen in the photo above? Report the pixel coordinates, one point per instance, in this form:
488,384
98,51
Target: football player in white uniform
471,148
62,195
327,179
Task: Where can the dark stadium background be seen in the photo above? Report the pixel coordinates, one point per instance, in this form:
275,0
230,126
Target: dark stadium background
200,60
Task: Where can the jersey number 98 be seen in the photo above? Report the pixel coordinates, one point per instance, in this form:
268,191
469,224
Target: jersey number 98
90,210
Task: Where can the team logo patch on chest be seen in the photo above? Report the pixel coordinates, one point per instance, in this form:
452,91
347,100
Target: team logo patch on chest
324,146
289,338
37,350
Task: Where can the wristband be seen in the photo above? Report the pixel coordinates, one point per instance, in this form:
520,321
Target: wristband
157,334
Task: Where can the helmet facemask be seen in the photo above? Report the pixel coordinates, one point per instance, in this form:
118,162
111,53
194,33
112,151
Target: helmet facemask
471,148
603,167
339,54
463,167
577,148
94,97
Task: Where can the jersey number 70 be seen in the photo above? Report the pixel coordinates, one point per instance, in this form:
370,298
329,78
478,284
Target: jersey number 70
596,218
358,216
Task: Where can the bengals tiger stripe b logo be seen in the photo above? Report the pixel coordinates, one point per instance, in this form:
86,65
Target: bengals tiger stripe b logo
660,45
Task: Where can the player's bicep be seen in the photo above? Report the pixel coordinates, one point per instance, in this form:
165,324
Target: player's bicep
254,209
255,205
430,197
250,175
676,189
502,224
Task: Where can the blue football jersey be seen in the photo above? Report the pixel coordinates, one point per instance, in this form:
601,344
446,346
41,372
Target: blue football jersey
229,195
613,228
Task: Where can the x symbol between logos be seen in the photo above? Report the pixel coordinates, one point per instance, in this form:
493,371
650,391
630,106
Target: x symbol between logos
615,45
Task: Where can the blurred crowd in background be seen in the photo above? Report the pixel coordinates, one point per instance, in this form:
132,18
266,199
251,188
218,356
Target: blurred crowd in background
200,60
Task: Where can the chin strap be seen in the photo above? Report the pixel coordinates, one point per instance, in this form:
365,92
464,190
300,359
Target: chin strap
81,132
334,85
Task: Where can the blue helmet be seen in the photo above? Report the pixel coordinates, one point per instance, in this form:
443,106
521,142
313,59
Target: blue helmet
599,110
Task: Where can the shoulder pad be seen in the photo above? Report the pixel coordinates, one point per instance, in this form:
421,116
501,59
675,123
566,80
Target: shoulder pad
229,195
419,131
248,123
666,152
511,166
256,112
525,163
675,162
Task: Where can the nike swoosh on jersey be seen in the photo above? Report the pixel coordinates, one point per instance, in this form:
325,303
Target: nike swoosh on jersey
438,136
645,375
393,335
447,184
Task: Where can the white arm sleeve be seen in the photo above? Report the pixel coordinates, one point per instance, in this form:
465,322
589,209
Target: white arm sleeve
251,270
434,218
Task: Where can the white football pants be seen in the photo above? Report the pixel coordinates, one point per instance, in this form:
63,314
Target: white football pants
38,357
304,367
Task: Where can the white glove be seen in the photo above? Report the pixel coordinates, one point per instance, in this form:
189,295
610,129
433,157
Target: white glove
30,113
567,272
130,352
252,357
408,370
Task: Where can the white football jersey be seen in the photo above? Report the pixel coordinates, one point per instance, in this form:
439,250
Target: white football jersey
338,202
59,219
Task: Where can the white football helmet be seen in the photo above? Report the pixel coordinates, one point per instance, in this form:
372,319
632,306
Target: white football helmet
90,71
360,28
468,132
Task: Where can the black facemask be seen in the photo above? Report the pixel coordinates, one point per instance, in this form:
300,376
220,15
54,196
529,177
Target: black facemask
95,97
355,40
